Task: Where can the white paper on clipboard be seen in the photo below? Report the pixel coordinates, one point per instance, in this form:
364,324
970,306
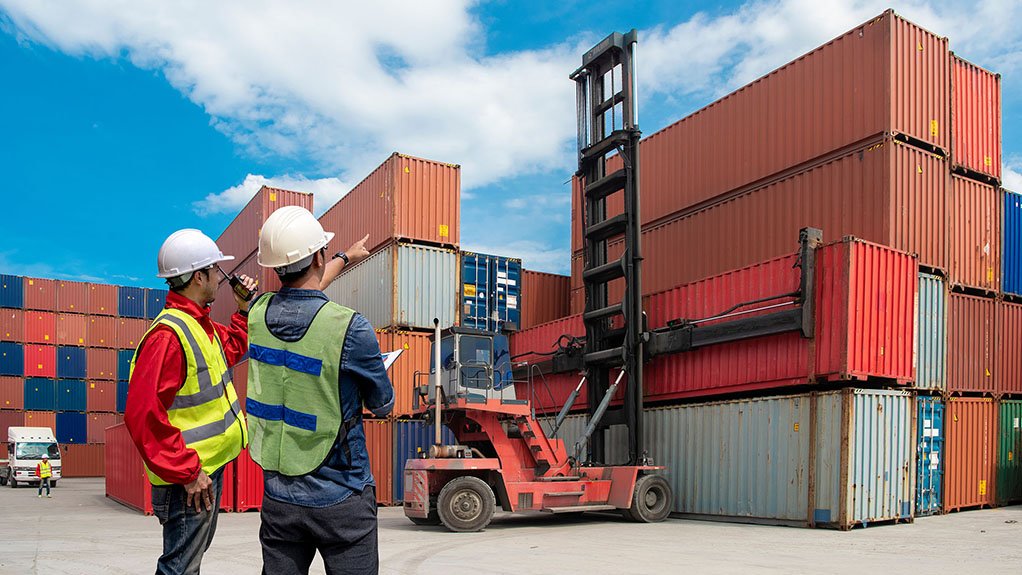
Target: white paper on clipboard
390,357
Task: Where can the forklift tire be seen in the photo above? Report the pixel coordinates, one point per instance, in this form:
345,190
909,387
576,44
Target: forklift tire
466,504
432,521
652,500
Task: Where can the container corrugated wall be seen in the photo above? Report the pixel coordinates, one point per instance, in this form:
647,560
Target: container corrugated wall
126,480
71,362
931,333
130,332
40,294
970,344
101,396
975,118
72,297
1008,375
1011,245
72,396
1009,450
12,394
12,359
102,364
415,357
102,331
40,361
12,291
545,297
72,427
490,292
929,455
83,461
102,299
248,483
379,435
131,302
40,327
12,325
72,329
411,437
969,470
155,301
547,393
974,234
40,394
97,423
241,236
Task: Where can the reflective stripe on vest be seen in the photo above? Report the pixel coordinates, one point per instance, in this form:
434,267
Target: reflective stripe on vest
45,470
206,407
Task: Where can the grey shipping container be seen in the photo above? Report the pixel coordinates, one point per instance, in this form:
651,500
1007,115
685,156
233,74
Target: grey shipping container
835,459
402,286
931,333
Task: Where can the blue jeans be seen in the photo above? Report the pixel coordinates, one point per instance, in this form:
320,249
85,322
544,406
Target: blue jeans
187,533
44,481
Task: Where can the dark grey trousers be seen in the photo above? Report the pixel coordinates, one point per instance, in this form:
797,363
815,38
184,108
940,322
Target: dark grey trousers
344,534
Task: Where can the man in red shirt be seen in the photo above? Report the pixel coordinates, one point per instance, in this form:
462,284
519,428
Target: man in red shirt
182,411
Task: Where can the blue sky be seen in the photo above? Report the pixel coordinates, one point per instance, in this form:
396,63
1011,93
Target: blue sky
127,120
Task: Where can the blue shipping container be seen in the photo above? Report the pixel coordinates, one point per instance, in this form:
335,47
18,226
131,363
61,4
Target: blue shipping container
72,427
1011,245
71,363
491,289
71,395
131,302
931,344
155,299
122,395
40,394
12,359
12,291
930,456
124,363
411,437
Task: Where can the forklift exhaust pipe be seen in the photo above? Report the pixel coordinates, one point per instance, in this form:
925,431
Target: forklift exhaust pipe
437,381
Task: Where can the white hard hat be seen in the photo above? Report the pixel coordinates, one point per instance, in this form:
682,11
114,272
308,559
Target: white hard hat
46,456
186,251
290,235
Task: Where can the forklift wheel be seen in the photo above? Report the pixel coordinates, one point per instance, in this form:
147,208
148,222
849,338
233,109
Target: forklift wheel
651,501
466,504
431,521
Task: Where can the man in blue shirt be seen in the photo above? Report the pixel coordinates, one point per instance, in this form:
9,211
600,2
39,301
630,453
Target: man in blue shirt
314,365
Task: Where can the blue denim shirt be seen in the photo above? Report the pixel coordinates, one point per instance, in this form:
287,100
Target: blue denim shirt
362,380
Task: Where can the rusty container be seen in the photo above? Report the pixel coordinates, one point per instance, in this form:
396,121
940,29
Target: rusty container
40,327
102,331
969,469
130,332
545,297
72,297
414,358
101,396
974,234
1008,372
72,329
12,394
975,119
405,198
101,364
40,294
83,460
102,299
12,325
971,347
241,237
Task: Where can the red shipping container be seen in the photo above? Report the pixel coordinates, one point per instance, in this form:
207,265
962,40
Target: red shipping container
225,305
126,480
102,331
9,418
380,445
72,297
130,332
415,357
72,329
975,118
547,392
545,297
248,483
1008,375
578,301
12,396
227,488
40,294
40,327
83,461
12,325
974,234
101,396
101,364
40,361
240,379
241,237
97,424
41,419
969,466
404,198
971,322
102,299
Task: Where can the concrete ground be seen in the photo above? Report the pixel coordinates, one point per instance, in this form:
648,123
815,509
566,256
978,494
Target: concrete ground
79,531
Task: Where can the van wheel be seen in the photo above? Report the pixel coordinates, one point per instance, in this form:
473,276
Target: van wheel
14,484
53,484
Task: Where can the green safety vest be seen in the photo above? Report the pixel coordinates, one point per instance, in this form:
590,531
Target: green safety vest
206,408
294,396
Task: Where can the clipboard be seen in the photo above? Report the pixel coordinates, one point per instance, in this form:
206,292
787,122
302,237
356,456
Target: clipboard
390,357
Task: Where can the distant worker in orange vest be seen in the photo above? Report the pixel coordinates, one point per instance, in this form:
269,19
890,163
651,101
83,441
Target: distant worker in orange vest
44,471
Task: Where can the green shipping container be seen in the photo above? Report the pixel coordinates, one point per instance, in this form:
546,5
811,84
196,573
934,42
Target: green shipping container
1009,449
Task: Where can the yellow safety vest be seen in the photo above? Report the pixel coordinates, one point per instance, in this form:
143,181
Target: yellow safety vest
45,470
206,408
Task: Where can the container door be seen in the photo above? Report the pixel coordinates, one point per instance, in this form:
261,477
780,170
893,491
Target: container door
930,461
474,290
507,282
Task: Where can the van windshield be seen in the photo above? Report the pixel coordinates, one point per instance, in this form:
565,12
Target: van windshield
36,450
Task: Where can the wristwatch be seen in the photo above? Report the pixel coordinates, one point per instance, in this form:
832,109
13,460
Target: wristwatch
343,256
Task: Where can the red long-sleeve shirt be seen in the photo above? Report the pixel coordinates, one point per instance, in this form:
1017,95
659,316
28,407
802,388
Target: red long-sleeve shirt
159,374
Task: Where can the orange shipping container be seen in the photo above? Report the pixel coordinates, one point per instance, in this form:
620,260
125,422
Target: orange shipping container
102,331
380,445
41,419
102,299
12,396
241,236
72,329
545,297
101,364
130,332
975,118
41,327
12,325
415,357
101,396
225,305
971,325
97,424
404,198
72,297
969,467
83,461
974,234
40,294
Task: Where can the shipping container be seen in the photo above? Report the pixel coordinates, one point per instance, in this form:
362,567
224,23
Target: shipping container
40,361
970,344
405,198
12,395
12,325
379,435
241,237
929,455
131,302
72,297
403,286
83,461
969,469
122,396
414,358
40,327
931,353
155,300
40,294
101,396
102,364
490,292
102,331
72,329
545,297
102,299
126,480
40,394
248,483
1009,449
975,119
1008,349
71,363
72,395
578,301
225,305
12,291
1011,245
12,359
124,357
10,418
974,235
547,392
240,377
72,427
97,424
41,419
130,332
227,488
412,440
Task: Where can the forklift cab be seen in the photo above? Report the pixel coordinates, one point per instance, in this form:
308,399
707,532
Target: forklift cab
474,364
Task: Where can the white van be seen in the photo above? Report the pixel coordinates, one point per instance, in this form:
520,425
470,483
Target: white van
25,449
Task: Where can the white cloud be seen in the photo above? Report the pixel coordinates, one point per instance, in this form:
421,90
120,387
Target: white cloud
326,192
535,255
1011,176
